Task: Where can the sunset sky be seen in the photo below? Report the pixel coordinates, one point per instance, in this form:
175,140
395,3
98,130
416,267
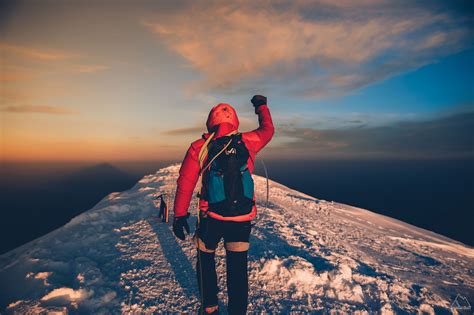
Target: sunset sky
135,80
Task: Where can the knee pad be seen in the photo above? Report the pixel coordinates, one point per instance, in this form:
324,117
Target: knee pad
202,246
237,246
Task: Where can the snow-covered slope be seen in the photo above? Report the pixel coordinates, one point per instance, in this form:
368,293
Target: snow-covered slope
307,255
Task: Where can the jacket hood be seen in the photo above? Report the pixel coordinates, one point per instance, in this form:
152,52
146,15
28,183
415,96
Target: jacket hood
222,119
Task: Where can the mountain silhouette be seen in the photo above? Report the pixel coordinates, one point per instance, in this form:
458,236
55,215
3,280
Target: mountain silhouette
39,210
99,174
82,189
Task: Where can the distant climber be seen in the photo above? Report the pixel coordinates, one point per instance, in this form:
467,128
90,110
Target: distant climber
223,161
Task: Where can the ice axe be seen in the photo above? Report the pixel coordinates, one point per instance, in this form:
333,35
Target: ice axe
163,214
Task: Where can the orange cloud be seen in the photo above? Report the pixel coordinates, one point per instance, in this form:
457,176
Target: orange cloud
185,131
35,53
11,95
14,76
12,73
440,38
89,68
230,43
31,93
36,149
44,109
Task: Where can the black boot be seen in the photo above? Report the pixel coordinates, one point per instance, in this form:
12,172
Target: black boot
207,279
237,282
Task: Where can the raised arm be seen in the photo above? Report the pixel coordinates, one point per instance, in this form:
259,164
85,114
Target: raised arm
259,137
188,176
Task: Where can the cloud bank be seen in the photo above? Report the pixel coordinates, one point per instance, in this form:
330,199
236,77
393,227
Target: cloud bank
36,53
442,137
309,48
185,131
43,109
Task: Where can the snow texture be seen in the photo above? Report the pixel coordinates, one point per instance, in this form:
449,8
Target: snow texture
306,256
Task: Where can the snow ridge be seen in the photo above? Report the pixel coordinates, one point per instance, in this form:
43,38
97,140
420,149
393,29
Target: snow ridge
307,256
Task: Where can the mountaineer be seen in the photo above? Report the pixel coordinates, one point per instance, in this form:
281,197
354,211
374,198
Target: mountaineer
222,161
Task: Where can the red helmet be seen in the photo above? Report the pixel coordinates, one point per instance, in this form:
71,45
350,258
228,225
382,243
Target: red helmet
222,113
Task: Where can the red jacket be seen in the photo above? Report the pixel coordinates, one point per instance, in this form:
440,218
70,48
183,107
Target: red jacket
222,120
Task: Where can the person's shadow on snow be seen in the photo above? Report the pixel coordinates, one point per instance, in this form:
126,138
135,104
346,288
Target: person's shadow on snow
183,269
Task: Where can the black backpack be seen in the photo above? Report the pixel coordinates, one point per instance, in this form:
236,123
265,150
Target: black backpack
227,183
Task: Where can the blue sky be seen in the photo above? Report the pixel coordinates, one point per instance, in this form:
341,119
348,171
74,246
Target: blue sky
136,80
443,86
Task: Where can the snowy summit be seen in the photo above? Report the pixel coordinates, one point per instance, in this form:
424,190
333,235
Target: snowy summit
306,255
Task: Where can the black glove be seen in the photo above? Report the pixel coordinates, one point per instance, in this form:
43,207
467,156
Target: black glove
258,100
178,224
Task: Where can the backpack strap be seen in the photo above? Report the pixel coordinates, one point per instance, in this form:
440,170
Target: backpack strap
204,151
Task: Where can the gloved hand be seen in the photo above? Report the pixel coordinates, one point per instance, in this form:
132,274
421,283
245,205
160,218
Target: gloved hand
178,224
258,100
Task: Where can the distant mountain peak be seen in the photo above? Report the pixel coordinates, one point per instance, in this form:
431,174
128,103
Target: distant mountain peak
95,172
103,166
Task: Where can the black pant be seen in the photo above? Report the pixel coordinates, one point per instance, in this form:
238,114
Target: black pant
210,232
